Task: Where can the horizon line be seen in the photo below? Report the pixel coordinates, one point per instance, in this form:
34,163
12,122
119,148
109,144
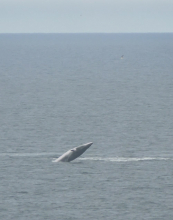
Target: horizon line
87,33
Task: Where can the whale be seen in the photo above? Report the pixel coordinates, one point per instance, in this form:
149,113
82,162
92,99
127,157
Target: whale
73,153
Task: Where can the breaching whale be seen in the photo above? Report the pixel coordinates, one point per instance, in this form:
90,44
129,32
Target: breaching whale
73,153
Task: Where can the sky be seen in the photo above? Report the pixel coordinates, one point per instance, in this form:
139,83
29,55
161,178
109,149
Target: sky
86,16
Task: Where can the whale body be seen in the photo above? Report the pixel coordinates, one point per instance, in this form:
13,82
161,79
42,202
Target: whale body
73,153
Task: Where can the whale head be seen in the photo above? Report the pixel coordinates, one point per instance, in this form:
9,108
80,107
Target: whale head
77,151
83,147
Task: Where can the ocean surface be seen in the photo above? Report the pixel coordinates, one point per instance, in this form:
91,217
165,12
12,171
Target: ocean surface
58,91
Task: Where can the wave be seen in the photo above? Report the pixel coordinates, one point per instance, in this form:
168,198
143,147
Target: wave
125,159
54,156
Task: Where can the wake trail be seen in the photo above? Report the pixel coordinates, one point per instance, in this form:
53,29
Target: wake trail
54,156
28,154
126,159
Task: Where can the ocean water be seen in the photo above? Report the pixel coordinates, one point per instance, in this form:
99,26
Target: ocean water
58,91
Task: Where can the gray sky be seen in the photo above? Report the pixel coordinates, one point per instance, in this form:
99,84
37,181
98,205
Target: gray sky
81,16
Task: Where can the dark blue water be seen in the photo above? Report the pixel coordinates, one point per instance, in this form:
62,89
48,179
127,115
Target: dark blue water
58,91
